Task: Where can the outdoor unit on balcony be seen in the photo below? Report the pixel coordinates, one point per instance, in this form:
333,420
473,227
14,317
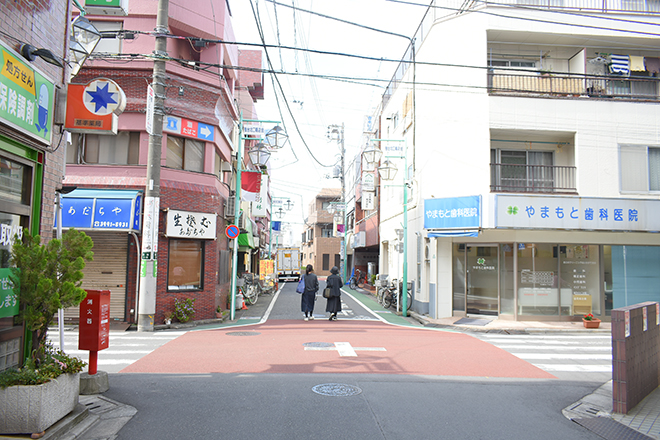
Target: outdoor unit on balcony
230,207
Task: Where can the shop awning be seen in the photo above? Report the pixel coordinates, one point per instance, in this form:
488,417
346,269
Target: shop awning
246,238
99,209
467,233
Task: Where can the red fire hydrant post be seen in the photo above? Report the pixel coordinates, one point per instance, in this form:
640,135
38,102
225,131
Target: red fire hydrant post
94,325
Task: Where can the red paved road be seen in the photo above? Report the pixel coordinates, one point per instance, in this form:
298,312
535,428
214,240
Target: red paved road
278,348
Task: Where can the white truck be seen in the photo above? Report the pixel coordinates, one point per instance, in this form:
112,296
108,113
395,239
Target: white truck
288,264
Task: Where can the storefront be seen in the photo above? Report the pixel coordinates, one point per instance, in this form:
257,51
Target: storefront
601,254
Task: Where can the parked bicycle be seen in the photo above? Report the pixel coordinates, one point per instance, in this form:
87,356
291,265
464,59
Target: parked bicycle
358,279
391,296
249,288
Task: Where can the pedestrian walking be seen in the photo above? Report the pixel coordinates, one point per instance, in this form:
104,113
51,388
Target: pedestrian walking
334,282
309,295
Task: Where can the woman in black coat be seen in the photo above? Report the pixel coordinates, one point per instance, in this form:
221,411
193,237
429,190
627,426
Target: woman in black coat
335,283
309,295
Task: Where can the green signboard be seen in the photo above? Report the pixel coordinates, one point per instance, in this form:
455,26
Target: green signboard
115,3
26,96
8,299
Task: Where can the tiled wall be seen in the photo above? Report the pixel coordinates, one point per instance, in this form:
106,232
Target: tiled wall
635,339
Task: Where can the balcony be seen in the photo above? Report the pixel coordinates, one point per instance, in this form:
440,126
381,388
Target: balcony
532,178
574,85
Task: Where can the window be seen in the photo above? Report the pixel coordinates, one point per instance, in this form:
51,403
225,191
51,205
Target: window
120,149
326,261
508,63
185,154
640,168
522,170
326,231
337,260
108,45
186,265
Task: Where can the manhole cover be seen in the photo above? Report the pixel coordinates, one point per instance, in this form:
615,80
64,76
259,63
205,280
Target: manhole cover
243,333
318,344
336,390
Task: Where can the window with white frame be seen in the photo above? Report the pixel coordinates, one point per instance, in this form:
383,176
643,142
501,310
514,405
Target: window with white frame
108,45
640,168
120,149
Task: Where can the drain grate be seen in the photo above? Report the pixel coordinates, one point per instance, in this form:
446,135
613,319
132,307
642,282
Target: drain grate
318,344
610,429
243,333
336,390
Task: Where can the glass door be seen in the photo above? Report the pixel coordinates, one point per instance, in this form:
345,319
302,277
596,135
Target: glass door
482,279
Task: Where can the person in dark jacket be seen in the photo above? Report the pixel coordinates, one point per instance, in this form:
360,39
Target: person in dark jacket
309,295
334,282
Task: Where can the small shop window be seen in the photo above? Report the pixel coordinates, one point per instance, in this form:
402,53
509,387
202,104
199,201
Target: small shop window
122,149
185,154
186,265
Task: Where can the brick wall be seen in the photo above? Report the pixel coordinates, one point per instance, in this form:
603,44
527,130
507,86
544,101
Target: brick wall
635,354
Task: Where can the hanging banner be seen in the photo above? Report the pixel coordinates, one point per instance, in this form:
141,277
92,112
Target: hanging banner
250,185
368,200
259,206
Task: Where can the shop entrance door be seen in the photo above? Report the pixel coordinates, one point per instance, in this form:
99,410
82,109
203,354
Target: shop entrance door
482,280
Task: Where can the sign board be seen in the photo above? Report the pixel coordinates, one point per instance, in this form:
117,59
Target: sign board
151,219
259,206
452,213
26,97
368,200
368,181
266,267
188,128
101,209
149,121
538,212
106,7
94,327
186,224
94,107
8,298
256,131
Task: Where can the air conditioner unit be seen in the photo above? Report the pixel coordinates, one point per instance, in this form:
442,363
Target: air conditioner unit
230,207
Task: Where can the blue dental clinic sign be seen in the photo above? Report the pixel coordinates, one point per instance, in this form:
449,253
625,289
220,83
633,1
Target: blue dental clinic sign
455,213
102,210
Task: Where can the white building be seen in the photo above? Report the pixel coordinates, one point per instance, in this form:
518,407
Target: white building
533,149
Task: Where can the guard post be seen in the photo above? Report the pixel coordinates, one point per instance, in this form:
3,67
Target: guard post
94,325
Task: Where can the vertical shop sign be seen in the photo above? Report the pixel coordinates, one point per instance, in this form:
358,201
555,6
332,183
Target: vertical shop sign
8,298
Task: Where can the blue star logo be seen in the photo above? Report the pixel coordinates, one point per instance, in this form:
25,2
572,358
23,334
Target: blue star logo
102,97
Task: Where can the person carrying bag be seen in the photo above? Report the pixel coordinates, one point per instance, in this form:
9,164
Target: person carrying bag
334,284
308,297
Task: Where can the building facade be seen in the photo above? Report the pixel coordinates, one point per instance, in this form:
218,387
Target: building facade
31,141
204,101
320,246
529,160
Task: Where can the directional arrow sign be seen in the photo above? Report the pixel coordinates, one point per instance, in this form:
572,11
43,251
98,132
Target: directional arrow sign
204,131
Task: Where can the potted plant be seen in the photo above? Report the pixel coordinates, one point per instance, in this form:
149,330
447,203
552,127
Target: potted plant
184,310
218,312
47,277
167,318
590,322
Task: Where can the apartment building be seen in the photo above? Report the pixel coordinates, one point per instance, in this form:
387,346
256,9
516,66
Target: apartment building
321,247
530,155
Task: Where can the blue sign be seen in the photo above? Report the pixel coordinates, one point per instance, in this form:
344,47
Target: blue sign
98,209
205,131
172,123
452,213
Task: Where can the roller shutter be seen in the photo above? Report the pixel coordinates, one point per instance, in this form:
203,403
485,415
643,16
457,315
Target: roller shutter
106,272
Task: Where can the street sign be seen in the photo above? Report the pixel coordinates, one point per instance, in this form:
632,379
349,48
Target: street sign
151,95
232,231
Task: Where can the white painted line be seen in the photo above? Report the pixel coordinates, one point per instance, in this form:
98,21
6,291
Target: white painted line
575,368
553,347
548,356
345,349
109,351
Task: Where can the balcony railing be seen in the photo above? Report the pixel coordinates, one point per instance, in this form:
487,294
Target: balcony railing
575,85
532,178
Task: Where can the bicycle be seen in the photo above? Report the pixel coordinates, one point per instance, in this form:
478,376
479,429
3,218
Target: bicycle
357,280
248,288
392,297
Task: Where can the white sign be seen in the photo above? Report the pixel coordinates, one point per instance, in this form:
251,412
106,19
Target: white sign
150,228
538,212
149,123
368,200
186,224
254,130
259,207
368,181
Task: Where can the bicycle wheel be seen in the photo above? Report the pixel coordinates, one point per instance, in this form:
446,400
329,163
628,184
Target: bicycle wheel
360,282
410,300
251,295
387,300
380,294
352,284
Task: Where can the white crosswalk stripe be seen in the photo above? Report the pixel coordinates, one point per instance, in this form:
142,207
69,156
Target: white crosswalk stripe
571,355
125,347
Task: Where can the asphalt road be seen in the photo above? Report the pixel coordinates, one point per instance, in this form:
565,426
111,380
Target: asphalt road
356,378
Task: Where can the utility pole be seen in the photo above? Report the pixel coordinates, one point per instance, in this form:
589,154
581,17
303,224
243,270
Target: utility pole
343,201
149,254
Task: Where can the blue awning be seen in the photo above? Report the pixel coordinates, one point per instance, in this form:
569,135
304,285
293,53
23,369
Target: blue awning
99,209
474,233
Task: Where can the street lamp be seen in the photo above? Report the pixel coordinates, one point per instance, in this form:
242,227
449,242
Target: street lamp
280,213
259,155
276,140
388,171
82,42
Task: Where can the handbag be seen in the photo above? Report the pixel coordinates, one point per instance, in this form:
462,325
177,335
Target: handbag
326,292
301,285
